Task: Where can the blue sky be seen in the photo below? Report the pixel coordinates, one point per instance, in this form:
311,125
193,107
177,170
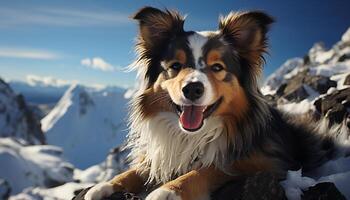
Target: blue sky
90,41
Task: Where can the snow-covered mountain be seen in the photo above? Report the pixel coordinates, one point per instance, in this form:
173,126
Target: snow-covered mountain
300,82
38,93
16,119
24,165
87,123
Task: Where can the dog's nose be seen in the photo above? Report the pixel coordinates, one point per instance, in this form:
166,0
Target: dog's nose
193,90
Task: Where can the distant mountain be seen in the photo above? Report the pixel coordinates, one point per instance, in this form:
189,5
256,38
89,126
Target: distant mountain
39,93
87,123
16,119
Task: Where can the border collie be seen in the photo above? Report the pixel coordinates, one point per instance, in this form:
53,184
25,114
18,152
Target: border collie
200,119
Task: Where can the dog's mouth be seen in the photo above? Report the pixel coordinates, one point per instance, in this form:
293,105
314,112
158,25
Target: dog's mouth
191,117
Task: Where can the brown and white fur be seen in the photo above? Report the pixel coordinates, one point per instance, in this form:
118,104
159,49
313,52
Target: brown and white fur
188,154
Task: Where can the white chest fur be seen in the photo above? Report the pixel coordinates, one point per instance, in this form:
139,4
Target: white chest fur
169,151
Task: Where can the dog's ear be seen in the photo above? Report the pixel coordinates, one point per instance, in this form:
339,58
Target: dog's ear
246,32
157,27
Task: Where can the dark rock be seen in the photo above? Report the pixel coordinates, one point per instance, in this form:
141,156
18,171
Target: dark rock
294,89
295,92
5,189
280,90
347,80
34,125
323,191
262,186
116,196
321,84
306,59
335,106
344,57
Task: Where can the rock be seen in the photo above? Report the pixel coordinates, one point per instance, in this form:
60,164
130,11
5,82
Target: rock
347,80
280,90
323,191
5,189
263,185
296,93
115,196
17,119
335,106
294,89
321,84
344,57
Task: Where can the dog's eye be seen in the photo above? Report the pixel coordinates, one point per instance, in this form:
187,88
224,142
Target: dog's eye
176,66
217,67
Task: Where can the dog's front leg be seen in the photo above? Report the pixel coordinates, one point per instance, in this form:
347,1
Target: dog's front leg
129,181
195,185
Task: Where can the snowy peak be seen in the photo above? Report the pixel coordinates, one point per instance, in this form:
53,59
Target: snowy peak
84,117
16,119
319,61
346,36
288,68
59,110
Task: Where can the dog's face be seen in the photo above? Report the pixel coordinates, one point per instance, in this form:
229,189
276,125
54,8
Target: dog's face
198,75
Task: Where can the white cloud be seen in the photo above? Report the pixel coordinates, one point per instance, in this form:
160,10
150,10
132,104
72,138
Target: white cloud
67,17
35,80
97,63
28,53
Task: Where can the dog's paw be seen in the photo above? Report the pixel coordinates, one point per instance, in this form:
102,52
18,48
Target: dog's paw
163,194
99,191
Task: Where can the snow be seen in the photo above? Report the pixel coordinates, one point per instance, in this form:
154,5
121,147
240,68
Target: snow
39,165
295,183
331,69
58,111
113,165
63,192
87,124
346,36
340,79
297,107
336,171
277,78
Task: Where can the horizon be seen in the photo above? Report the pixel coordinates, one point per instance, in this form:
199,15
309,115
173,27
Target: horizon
91,42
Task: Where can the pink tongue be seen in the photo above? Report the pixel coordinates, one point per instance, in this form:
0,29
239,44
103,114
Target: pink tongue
191,117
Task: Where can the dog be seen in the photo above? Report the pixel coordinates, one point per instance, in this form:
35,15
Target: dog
199,119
